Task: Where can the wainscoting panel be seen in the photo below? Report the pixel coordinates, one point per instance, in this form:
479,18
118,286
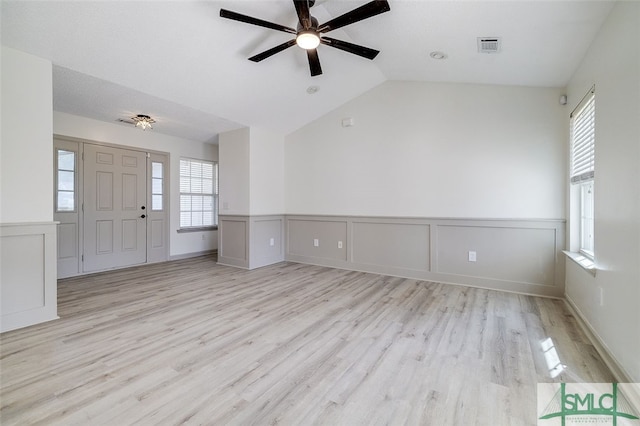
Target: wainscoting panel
267,236
28,293
302,233
233,241
523,256
250,241
383,243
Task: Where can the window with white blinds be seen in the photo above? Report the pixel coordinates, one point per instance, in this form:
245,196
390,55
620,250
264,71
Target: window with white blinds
198,193
583,135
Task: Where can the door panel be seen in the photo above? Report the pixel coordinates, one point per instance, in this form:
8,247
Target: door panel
129,232
104,189
157,231
67,241
104,236
114,203
129,192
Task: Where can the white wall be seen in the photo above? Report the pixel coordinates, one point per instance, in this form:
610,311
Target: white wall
26,154
267,172
100,131
613,65
234,172
433,150
251,172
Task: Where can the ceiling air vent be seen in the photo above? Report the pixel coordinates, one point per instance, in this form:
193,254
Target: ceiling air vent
489,44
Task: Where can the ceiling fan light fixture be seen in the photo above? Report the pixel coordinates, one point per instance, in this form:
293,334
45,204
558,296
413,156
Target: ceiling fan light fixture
308,39
143,121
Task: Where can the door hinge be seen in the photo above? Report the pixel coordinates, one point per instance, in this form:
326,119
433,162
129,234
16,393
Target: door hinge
83,207
82,156
82,257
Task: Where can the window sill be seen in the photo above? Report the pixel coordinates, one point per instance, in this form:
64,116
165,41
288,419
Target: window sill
582,260
197,229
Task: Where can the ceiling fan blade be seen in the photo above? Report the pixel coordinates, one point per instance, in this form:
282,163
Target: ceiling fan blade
264,55
255,21
365,52
304,16
363,12
314,62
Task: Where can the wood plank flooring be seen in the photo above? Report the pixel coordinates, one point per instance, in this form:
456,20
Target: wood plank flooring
191,342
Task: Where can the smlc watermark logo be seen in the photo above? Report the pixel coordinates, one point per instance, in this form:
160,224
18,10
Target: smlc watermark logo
588,404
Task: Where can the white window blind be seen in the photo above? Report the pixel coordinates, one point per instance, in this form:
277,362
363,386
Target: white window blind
583,135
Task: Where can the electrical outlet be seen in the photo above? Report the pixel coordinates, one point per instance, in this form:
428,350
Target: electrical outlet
202,237
272,242
472,256
316,242
339,244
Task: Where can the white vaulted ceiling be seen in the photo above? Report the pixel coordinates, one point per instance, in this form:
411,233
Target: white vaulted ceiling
179,62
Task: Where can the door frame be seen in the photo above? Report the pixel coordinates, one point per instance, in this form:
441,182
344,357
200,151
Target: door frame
153,254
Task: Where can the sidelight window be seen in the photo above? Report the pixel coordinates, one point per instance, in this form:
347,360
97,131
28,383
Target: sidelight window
157,186
65,181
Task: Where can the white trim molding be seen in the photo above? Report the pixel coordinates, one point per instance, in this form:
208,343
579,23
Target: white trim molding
616,368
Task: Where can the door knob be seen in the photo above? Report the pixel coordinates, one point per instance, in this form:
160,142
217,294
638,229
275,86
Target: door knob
143,207
143,216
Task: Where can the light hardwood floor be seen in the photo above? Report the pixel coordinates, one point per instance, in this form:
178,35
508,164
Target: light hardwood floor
193,342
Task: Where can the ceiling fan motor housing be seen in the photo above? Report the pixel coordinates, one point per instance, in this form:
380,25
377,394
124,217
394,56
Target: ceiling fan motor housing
314,25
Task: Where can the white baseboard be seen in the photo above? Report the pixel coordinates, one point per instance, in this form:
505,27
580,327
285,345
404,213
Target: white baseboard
617,370
619,373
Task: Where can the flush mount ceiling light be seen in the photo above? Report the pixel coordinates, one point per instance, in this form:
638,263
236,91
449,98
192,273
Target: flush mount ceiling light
438,55
143,121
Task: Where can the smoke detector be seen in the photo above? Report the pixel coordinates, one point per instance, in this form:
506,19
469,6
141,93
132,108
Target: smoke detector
489,44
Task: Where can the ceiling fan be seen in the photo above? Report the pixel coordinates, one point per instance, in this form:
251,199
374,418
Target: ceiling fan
308,31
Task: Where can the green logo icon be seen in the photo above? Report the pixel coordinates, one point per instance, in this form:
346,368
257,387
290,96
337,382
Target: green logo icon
589,405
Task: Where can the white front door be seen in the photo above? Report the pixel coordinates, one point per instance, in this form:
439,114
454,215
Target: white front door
115,228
